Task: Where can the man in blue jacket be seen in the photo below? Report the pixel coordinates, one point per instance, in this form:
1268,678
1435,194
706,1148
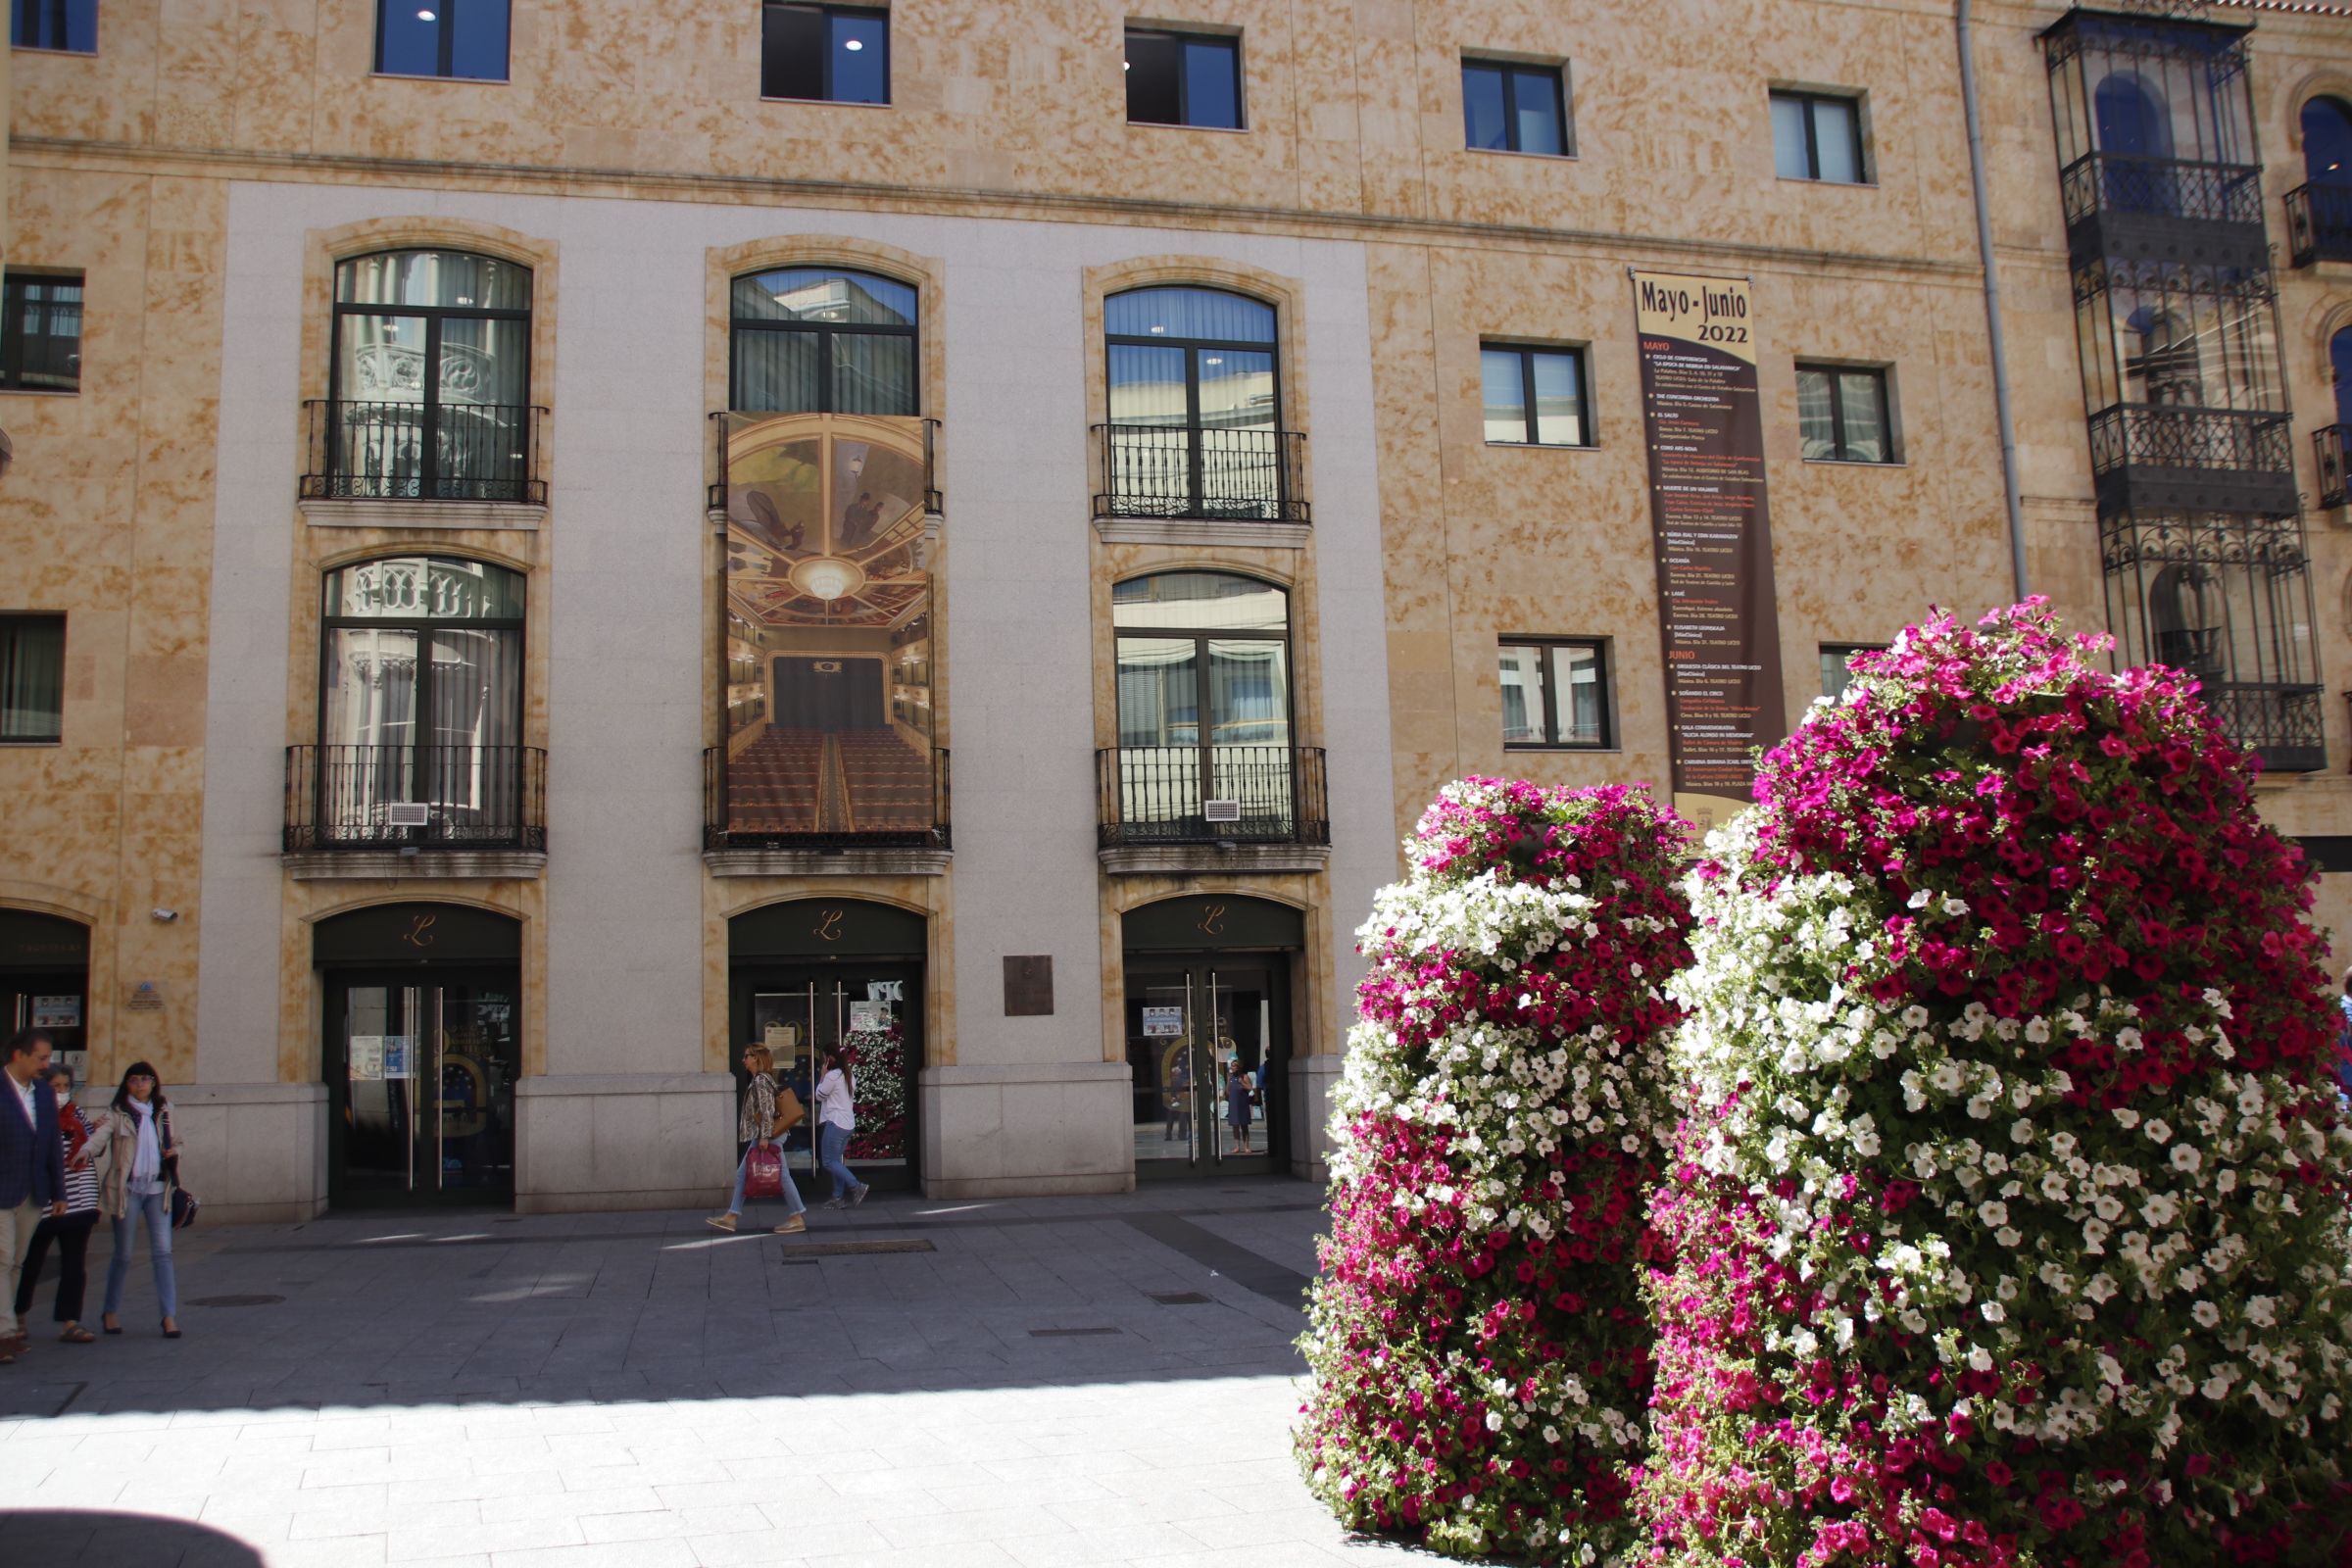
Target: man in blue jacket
32,1168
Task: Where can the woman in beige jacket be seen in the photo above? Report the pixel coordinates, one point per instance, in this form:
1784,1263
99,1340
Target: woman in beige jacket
142,1161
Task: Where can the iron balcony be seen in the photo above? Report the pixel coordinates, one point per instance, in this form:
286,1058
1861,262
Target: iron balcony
2319,224
415,797
1149,795
481,452
1252,473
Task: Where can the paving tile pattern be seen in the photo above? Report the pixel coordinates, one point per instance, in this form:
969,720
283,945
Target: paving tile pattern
639,1390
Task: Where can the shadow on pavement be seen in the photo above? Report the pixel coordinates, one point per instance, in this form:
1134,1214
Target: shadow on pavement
59,1536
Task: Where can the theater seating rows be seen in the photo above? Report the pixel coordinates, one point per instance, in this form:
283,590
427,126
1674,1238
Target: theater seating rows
776,784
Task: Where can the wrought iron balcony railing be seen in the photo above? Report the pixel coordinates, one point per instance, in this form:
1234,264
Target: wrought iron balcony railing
2327,445
2161,187
2277,722
1253,473
1211,795
824,801
415,797
2144,435
2319,224
486,452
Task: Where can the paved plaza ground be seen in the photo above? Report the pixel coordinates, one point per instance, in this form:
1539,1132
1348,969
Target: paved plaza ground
1040,1382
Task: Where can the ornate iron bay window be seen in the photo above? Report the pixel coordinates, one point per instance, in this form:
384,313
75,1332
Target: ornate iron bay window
2225,598
2156,145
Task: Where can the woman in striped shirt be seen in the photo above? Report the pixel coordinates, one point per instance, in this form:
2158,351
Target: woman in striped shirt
70,1231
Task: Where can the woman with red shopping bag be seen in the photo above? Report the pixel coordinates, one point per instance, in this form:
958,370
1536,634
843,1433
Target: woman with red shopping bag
767,1114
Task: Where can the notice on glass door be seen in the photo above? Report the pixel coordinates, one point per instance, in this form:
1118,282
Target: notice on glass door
1711,533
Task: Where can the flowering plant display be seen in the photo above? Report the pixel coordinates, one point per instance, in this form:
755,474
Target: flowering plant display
1481,1361
2008,1225
878,1084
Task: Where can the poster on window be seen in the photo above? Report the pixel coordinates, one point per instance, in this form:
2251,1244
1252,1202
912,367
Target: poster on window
366,1054
57,1012
397,1062
825,698
1711,535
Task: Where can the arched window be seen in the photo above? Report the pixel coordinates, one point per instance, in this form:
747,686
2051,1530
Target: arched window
2327,141
1203,697
430,382
2131,117
1196,405
822,340
420,698
2340,367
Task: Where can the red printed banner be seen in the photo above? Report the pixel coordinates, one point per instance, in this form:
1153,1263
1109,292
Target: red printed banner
1712,534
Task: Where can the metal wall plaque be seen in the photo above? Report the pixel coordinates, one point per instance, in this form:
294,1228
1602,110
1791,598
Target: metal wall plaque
1029,987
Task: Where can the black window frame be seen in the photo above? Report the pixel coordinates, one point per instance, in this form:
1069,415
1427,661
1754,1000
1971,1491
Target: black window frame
13,285
1230,43
1557,75
1526,352
423,626
1846,653
828,13
1837,374
10,622
25,17
1194,348
445,51
1603,657
737,326
1864,174
433,316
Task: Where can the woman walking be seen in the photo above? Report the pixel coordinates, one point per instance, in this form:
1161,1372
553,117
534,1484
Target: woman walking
143,1162
836,1120
756,1128
70,1231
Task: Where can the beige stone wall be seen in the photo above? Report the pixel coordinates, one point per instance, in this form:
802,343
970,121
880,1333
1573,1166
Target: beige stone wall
120,167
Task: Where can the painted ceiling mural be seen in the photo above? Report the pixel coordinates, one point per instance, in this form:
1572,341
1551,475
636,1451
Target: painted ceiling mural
825,520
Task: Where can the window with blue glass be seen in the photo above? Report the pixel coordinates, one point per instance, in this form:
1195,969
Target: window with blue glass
67,24
1514,108
1818,135
462,39
825,54
1534,396
40,333
1184,79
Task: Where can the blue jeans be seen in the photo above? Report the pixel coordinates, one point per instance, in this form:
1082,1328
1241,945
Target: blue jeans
832,1142
792,1194
156,1209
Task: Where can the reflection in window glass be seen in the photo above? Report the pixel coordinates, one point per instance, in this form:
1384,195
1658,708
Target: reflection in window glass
1514,108
1843,415
67,24
1178,79
1817,136
1205,601
824,340
32,678
1791,153
40,333
1555,693
1546,383
825,54
464,39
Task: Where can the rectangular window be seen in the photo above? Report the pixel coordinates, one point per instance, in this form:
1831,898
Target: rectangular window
1514,109
825,54
1843,416
1817,136
40,333
1557,694
462,39
1534,396
68,25
1184,79
32,678
1836,665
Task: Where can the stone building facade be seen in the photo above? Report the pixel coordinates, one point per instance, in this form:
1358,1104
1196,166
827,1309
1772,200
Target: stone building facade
496,689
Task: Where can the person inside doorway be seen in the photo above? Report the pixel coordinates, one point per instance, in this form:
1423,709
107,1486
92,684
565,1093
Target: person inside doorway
836,1120
757,1126
1180,1096
1237,1105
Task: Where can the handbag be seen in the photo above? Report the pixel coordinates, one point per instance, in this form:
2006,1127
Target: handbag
763,1172
790,1113
184,1206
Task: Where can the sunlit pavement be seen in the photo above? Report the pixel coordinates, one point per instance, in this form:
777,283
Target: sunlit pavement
1040,1382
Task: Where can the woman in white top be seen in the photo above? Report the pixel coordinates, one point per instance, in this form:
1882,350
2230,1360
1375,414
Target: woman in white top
143,1162
836,1120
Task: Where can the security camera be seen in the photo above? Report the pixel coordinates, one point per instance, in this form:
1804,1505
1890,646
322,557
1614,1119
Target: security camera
167,916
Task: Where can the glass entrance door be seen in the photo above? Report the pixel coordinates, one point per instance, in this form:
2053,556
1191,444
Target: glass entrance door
420,1075
57,1003
1209,1046
875,1010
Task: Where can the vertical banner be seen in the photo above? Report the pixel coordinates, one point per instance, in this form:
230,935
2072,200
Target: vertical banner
1712,534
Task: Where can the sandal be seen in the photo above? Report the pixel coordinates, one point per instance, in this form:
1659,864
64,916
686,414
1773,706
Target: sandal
76,1333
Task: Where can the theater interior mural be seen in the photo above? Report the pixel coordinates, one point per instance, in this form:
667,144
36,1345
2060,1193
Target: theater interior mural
828,679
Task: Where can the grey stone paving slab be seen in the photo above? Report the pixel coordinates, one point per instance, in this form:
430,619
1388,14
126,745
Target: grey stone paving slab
564,1391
